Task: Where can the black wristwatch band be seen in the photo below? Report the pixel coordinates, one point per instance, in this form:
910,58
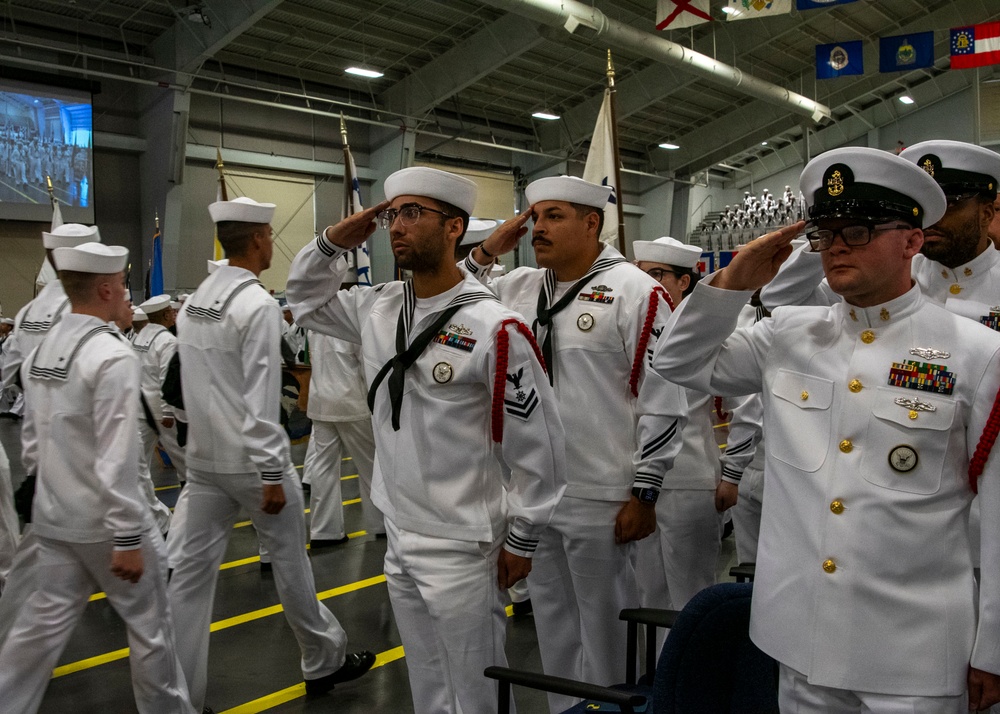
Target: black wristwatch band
646,495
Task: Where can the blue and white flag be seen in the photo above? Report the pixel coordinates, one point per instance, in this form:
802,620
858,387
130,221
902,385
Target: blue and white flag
838,59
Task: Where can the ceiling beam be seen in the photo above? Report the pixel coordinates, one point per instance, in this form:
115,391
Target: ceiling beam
186,45
468,62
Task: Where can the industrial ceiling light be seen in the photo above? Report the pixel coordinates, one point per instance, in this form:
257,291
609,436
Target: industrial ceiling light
545,116
197,14
366,73
907,99
670,147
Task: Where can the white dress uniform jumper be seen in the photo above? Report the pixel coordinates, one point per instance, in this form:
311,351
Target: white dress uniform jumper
624,424
82,394
231,379
462,410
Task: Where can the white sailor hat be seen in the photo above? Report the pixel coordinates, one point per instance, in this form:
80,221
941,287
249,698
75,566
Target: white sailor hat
138,315
155,304
957,166
183,296
870,184
6,320
92,258
175,305
214,265
567,188
242,209
433,183
479,230
668,251
70,235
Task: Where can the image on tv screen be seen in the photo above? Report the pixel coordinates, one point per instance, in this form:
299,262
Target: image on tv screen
45,137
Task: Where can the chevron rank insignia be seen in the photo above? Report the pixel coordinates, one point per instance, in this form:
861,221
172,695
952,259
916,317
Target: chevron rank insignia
456,339
925,377
520,398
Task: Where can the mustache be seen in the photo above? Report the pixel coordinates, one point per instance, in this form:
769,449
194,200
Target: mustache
540,239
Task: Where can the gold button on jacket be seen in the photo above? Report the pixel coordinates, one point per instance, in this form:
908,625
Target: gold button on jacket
837,506
867,337
829,565
846,446
855,386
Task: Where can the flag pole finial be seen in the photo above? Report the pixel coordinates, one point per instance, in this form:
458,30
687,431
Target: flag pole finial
218,161
343,129
48,184
611,70
156,218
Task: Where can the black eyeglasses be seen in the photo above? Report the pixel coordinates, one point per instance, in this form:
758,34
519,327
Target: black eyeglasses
658,273
408,215
956,198
860,234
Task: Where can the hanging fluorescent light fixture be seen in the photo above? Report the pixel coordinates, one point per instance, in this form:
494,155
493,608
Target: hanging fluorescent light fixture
366,73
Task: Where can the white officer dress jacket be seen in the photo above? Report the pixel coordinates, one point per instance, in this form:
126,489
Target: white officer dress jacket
155,346
81,389
229,341
745,444
864,577
337,388
618,440
32,324
971,290
442,474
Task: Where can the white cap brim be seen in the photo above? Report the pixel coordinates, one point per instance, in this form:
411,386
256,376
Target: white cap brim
567,188
668,251
92,258
155,304
70,235
433,183
242,209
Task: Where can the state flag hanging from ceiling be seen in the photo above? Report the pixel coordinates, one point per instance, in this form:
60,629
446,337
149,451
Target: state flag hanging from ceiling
747,9
675,14
838,59
819,4
976,46
905,52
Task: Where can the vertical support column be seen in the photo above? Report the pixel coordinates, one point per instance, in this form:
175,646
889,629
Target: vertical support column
658,221
394,153
163,124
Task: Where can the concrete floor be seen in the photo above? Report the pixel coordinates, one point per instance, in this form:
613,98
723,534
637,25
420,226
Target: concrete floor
254,660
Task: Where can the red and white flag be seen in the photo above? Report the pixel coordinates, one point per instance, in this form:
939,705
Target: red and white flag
675,14
976,46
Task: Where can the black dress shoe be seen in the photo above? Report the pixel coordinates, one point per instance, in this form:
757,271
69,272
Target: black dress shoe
317,543
522,608
355,665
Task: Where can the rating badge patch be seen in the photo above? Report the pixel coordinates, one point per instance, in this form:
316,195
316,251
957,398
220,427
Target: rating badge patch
520,398
910,374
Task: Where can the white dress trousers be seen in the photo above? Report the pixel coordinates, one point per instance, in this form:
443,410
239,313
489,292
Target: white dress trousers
71,573
440,589
213,504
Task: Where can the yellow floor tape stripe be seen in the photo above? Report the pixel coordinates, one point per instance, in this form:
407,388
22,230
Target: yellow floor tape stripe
233,564
270,701
107,657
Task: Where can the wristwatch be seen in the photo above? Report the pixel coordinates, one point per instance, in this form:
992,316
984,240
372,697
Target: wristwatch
646,495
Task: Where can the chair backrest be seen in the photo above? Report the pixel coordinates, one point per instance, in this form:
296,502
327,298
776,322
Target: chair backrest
708,663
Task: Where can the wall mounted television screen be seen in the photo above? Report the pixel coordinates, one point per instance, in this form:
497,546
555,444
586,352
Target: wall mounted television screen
45,133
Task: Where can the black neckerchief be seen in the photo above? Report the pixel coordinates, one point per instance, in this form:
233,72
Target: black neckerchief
406,356
545,314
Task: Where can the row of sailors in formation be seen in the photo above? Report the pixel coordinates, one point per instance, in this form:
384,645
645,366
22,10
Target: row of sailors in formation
594,525
27,161
753,213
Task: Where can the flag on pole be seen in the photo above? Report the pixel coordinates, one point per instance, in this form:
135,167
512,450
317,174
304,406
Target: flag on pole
975,46
156,268
747,9
905,52
677,14
46,274
819,4
839,58
600,167
352,205
220,195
